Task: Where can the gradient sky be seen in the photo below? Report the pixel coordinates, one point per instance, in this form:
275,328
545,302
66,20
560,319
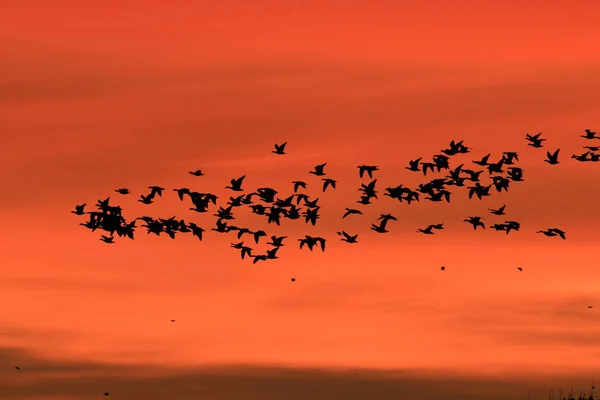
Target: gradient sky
96,96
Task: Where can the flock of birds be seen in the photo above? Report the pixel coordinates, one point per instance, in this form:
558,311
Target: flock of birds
264,201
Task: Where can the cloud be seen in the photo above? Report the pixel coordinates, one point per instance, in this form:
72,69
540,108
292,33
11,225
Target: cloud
43,378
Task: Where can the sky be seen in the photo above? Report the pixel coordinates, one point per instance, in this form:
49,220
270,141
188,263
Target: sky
97,96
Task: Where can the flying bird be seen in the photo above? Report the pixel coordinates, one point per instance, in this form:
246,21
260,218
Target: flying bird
348,238
328,182
107,239
553,232
590,135
499,211
279,148
236,184
475,221
197,172
122,191
413,165
369,169
155,190
299,184
318,170
351,211
552,158
483,162
534,140
79,209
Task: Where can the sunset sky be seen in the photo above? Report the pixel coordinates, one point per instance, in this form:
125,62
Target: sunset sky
100,95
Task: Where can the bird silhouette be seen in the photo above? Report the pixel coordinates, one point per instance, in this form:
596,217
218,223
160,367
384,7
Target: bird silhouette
592,148
429,229
279,148
348,238
581,157
299,184
553,232
276,241
146,199
479,190
369,169
426,231
122,191
318,170
413,165
107,239
483,162
328,182
197,172
155,190
552,158
427,166
475,221
508,157
534,140
79,209
381,227
351,211
499,211
590,135
236,184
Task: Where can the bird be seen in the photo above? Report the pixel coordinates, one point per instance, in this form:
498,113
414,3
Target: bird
552,158
146,199
18,368
122,191
293,279
483,162
509,156
107,239
592,148
369,169
276,241
475,221
520,268
299,184
413,165
348,238
79,209
236,184
534,140
351,211
554,232
155,190
381,227
443,268
328,182
279,148
197,172
429,229
590,135
581,157
318,170
499,211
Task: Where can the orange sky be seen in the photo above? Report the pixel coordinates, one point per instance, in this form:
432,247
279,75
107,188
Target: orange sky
131,94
